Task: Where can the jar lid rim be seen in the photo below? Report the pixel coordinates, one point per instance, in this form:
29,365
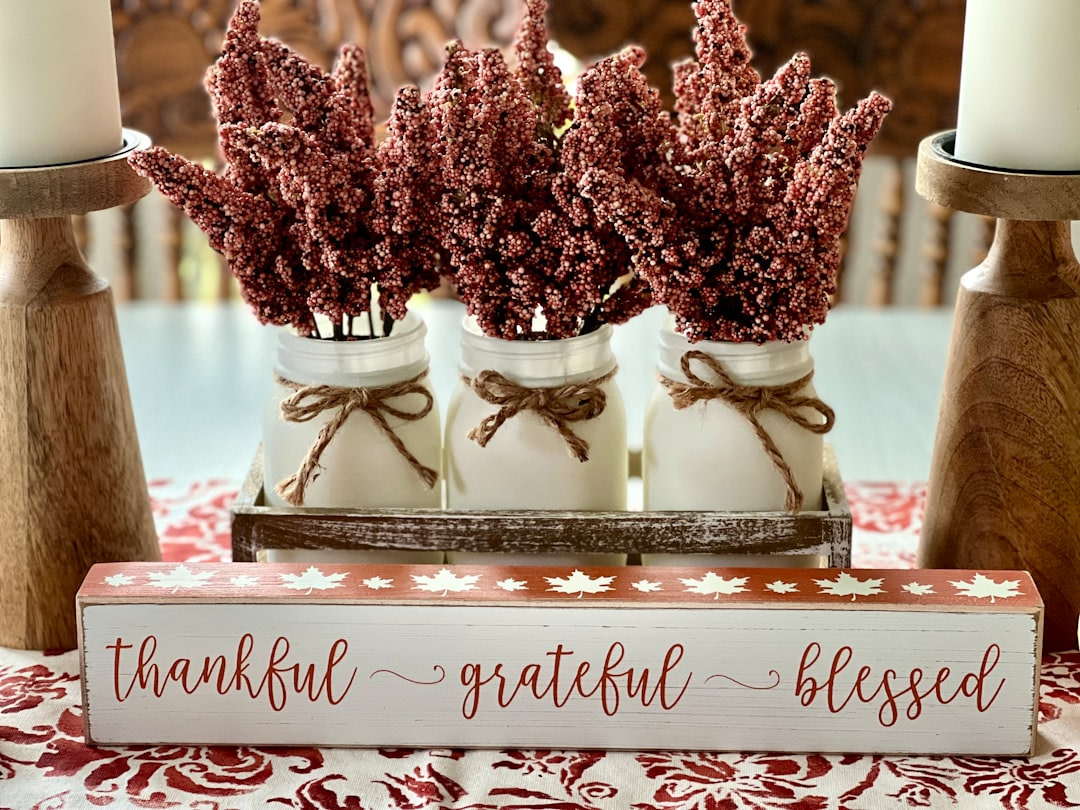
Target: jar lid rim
404,330
473,332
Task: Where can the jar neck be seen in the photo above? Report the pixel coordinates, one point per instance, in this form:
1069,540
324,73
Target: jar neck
537,363
354,363
771,363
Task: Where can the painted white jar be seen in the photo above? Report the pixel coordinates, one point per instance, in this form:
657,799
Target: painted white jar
709,457
526,462
360,466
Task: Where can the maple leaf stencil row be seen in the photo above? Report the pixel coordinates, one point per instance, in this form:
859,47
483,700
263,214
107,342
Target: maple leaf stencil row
637,582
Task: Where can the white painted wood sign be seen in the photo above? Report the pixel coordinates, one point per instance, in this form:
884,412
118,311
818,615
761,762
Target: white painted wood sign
794,660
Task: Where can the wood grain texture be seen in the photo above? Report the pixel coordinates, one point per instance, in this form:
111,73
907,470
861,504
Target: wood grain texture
909,51
72,490
1005,475
164,49
74,188
999,193
258,528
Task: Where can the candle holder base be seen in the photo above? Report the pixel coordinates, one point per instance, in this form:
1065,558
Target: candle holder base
1005,474
72,488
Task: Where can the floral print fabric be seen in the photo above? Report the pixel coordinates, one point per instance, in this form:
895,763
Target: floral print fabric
44,764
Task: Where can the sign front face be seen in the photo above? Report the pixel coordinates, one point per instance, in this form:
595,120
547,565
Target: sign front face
727,659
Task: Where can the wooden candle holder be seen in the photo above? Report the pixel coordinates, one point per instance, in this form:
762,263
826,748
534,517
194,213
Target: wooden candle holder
1005,476
72,488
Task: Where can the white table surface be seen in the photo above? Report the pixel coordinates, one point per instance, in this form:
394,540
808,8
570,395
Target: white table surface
200,376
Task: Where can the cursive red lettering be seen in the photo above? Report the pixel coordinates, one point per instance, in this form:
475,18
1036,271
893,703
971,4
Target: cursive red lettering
178,672
273,680
338,650
839,664
807,688
984,673
671,660
118,649
218,665
887,714
610,684
279,680
557,656
145,670
914,708
838,696
660,688
471,678
243,652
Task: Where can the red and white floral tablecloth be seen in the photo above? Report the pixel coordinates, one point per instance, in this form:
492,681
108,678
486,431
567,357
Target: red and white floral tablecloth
44,763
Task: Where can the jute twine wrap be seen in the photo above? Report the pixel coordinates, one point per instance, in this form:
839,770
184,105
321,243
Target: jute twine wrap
750,401
309,401
557,406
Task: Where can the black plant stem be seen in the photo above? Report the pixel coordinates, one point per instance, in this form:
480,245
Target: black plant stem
371,322
591,322
351,319
339,330
387,325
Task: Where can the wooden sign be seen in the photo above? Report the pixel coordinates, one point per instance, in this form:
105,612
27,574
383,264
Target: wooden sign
796,660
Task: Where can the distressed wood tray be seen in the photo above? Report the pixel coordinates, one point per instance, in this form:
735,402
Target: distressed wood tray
257,528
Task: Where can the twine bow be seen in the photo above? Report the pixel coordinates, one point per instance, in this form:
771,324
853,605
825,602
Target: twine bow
750,401
309,401
557,406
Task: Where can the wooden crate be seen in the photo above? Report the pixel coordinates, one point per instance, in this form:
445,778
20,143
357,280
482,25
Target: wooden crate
257,528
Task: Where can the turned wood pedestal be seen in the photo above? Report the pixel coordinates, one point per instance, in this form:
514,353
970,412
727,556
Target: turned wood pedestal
72,489
1005,476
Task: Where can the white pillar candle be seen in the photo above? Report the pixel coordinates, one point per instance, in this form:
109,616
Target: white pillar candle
59,101
1020,85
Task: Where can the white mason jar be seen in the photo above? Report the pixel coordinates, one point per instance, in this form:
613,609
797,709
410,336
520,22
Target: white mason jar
708,456
360,466
527,463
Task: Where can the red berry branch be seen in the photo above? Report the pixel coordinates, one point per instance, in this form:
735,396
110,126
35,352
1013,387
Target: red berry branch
528,254
309,213
551,215
740,239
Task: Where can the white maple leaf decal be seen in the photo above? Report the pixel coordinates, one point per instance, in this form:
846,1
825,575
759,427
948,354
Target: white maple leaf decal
847,585
918,589
782,587
645,586
244,581
313,579
512,585
715,584
982,587
179,577
579,583
378,583
118,580
445,581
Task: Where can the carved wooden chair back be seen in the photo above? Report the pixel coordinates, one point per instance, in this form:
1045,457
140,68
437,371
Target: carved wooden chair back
900,249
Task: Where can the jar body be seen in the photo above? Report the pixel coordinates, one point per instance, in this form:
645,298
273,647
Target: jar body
360,468
527,464
708,456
